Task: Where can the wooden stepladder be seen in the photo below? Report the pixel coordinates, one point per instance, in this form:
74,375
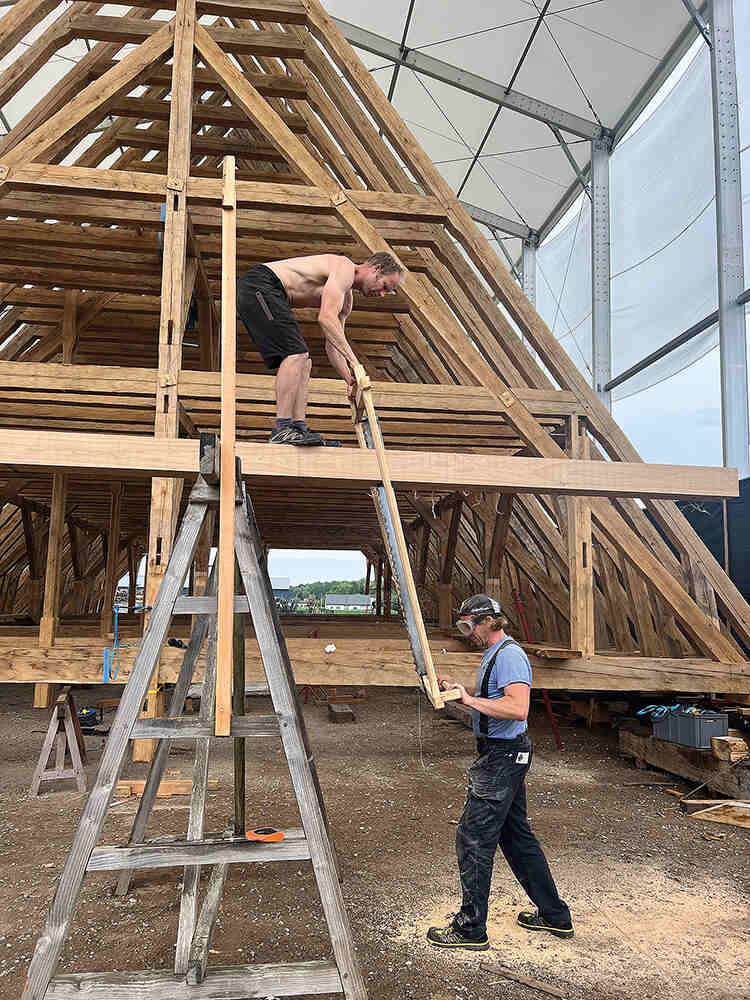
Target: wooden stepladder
192,977
64,736
368,432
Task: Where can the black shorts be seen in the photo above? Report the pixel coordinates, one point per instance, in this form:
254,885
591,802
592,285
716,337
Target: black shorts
263,306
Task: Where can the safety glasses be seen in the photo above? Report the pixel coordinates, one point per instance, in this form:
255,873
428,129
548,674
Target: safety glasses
467,625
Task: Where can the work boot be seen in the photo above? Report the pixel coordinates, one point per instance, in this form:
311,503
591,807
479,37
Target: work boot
451,937
293,435
533,922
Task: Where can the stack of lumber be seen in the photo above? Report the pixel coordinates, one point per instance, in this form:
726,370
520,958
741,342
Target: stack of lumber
731,748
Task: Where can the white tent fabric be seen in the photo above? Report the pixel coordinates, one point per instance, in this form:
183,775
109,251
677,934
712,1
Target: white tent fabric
589,57
663,234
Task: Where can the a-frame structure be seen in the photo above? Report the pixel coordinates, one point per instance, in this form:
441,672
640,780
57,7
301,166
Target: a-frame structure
110,212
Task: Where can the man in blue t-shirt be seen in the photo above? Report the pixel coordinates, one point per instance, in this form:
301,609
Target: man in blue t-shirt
495,810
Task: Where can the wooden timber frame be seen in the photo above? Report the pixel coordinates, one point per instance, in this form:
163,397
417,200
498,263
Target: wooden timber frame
509,474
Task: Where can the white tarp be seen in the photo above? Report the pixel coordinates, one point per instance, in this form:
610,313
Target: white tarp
663,217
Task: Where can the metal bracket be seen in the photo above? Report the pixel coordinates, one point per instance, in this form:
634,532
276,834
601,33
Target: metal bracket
338,199
175,184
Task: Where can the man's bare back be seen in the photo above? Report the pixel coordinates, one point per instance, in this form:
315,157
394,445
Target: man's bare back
304,278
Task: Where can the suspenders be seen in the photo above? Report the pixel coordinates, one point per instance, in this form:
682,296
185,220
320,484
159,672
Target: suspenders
484,720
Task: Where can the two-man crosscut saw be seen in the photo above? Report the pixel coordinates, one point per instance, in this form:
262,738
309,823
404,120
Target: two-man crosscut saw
367,427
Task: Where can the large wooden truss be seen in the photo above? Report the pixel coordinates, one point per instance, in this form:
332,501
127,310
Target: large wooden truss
511,475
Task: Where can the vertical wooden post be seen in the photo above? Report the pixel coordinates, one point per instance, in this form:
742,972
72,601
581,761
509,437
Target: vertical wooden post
51,613
446,573
167,493
367,577
45,694
498,541
580,558
106,622
379,587
69,325
227,475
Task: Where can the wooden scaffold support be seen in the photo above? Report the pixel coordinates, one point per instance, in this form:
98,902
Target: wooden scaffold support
65,738
311,843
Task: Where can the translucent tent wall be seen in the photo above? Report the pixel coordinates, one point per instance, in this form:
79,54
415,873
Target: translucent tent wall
664,267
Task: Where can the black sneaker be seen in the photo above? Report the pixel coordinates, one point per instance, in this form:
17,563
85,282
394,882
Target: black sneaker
451,937
533,922
313,437
293,435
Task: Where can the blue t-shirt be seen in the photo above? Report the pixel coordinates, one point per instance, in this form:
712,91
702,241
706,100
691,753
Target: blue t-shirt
511,666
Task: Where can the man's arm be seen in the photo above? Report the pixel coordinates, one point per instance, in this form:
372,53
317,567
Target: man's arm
513,705
335,299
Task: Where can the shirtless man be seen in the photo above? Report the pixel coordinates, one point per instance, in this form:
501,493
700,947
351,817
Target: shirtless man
265,297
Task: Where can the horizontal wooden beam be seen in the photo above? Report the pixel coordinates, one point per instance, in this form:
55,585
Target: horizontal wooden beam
268,84
151,109
88,182
376,661
243,42
281,11
205,852
191,728
122,455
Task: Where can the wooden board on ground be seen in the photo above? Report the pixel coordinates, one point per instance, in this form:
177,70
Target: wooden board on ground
734,813
695,765
167,788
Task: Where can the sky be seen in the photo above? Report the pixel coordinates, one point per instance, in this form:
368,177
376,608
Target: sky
654,419
302,566
311,566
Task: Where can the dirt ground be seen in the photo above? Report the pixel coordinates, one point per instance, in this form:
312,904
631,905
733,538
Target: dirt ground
659,900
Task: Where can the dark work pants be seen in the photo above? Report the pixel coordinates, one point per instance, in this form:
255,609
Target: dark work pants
495,815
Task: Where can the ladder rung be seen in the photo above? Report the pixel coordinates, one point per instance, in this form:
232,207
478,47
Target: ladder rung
207,605
292,979
196,690
185,728
200,852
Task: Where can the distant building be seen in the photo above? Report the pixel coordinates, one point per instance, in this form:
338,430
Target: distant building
349,602
281,586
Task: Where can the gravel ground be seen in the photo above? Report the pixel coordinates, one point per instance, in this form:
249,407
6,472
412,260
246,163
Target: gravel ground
659,901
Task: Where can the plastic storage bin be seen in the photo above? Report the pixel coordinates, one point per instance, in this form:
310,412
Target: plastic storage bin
666,727
679,726
697,730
